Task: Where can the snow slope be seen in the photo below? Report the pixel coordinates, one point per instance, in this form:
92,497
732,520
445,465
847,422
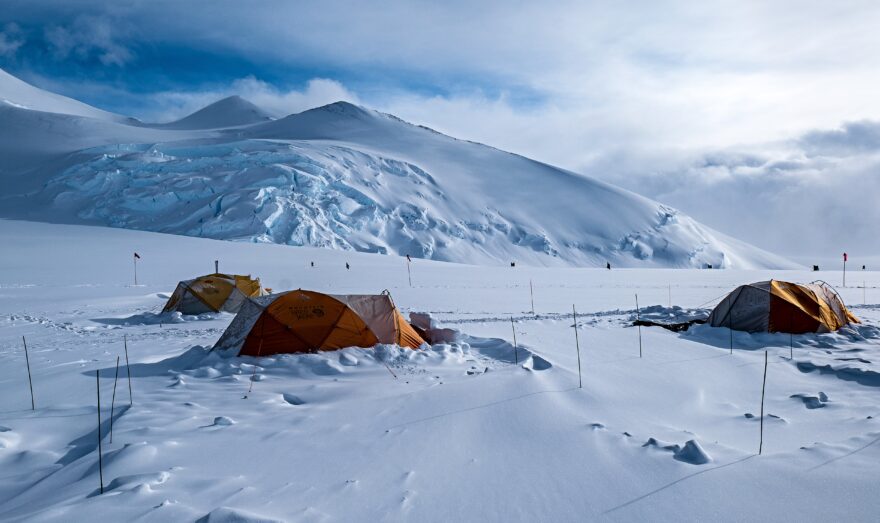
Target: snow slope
232,111
345,177
466,430
17,93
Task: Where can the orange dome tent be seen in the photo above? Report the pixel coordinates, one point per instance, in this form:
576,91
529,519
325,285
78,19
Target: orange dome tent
212,293
780,306
307,321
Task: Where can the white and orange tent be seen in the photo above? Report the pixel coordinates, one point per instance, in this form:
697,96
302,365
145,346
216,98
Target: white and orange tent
213,293
307,321
781,306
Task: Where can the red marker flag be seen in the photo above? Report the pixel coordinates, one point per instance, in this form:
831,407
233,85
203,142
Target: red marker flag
844,256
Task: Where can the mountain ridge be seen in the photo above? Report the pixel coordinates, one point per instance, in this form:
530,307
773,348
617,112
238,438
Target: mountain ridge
347,177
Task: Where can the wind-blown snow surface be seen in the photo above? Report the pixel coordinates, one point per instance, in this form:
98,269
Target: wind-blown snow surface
457,431
340,176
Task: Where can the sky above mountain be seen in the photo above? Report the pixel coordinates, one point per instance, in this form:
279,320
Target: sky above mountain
650,95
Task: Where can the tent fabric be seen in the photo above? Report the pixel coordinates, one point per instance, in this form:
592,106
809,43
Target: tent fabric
779,306
306,321
212,293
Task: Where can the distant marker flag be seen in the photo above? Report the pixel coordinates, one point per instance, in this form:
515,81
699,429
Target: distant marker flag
138,256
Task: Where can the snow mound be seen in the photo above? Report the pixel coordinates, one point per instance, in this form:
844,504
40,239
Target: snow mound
233,111
231,515
692,453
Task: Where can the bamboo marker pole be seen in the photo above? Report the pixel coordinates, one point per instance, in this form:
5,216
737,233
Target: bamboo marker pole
730,322
27,361
639,324
127,368
532,294
763,388
259,352
409,272
113,401
670,295
577,346
100,448
790,336
515,351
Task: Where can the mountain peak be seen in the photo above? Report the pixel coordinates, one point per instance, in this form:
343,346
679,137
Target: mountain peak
232,111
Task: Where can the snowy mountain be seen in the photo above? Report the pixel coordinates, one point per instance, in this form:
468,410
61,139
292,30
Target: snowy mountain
17,93
343,177
232,111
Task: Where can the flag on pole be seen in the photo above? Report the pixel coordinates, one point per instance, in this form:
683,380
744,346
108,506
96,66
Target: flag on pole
138,256
844,257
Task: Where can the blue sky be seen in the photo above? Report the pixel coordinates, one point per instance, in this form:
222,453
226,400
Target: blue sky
652,95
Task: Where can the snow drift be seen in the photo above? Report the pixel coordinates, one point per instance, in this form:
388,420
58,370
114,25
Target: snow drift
343,177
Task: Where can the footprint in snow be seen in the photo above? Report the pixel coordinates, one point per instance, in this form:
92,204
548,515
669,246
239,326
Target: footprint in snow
219,422
691,452
292,399
812,402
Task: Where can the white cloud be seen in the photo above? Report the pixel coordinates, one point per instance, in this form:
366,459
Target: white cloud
810,196
11,38
89,36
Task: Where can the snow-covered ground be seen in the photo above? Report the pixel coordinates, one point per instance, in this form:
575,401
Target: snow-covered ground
338,176
457,431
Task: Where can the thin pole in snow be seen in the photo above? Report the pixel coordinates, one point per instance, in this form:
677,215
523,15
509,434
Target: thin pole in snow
135,270
515,355
127,368
577,346
409,272
639,324
864,300
670,295
100,448
790,335
259,351
113,401
27,361
532,294
730,322
763,388
216,266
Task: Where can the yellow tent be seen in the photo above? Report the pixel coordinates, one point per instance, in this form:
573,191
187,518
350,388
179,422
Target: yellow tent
306,321
213,293
780,306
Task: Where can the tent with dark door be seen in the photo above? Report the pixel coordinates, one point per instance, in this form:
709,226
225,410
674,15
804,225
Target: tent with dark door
213,293
307,321
779,306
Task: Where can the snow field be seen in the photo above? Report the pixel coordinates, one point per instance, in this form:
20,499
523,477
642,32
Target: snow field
453,431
